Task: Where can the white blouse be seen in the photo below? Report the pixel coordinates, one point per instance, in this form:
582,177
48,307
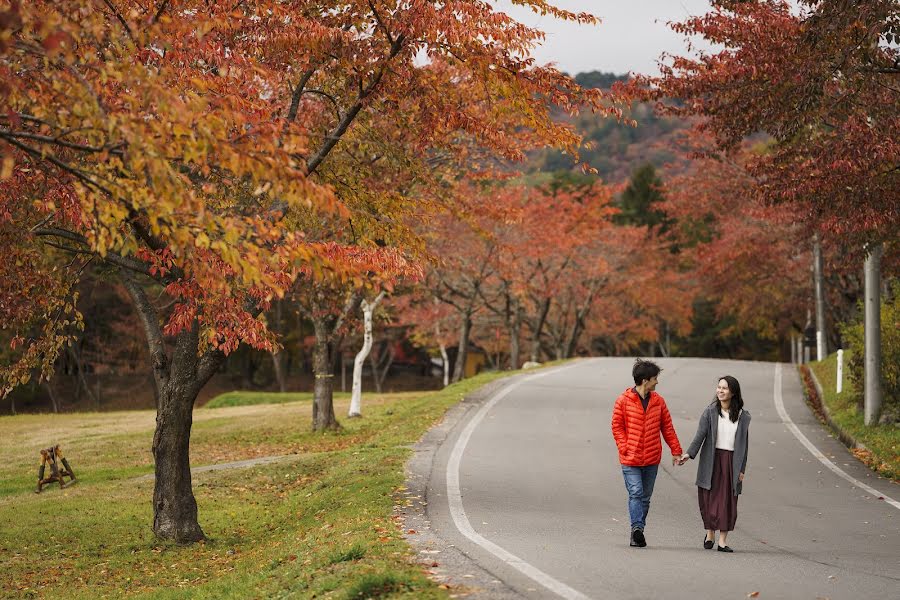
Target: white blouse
726,432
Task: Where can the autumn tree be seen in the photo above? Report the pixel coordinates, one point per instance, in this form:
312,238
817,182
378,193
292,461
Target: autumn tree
819,77
183,143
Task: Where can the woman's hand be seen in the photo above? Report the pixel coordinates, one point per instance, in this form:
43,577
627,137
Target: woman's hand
740,477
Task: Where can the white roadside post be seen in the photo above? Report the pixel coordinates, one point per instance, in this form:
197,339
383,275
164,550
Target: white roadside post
840,371
820,346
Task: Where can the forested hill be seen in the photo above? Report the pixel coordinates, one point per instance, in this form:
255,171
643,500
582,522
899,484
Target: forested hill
618,148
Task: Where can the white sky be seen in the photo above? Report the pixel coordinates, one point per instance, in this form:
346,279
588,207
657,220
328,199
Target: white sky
631,36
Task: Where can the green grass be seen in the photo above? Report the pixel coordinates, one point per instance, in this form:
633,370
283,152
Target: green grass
252,398
882,442
321,523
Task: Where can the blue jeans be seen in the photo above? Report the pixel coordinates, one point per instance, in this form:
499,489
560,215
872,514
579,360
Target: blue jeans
639,483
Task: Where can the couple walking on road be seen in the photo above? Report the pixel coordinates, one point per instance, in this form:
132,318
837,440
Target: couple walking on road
639,417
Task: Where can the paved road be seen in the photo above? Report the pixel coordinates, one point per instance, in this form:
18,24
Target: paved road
541,507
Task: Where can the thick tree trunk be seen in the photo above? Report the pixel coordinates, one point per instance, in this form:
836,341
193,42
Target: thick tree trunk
174,506
178,380
459,372
323,390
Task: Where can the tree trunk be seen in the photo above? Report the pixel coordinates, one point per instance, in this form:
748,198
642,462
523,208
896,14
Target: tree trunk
278,367
356,393
278,357
53,403
514,327
79,367
174,506
459,372
381,367
179,381
323,390
446,364
536,331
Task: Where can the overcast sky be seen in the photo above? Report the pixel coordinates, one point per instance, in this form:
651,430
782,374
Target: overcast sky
631,36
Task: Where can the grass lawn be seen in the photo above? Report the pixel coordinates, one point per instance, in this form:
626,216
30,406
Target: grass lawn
882,441
250,398
319,524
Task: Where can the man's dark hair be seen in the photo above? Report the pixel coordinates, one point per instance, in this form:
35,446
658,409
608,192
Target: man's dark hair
644,369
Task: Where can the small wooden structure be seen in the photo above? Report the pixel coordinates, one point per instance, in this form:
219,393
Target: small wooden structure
53,456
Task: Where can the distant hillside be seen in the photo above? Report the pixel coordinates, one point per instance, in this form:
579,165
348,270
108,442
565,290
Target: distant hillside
618,149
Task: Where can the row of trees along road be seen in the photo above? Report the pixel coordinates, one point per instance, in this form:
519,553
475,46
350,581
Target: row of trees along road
223,155
819,78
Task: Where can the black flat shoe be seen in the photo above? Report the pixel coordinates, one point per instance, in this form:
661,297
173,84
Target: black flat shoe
637,538
708,544
725,549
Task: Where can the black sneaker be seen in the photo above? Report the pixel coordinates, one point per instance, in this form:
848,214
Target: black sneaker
637,538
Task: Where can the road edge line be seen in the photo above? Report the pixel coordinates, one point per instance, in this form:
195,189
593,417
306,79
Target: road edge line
786,420
458,513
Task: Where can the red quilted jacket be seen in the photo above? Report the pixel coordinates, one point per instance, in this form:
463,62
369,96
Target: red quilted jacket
637,432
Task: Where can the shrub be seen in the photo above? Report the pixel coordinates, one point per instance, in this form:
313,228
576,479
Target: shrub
854,338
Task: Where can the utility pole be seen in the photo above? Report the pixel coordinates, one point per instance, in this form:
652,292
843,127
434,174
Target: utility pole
821,347
873,335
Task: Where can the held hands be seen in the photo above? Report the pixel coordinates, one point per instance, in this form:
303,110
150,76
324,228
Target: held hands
680,460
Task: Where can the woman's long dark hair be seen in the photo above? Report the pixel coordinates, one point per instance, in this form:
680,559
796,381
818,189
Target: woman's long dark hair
737,401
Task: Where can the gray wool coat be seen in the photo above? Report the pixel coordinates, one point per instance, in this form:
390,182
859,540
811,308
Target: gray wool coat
706,437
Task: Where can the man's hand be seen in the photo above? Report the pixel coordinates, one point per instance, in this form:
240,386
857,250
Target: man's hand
683,458
740,477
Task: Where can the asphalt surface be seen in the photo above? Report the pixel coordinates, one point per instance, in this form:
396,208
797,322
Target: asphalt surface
534,505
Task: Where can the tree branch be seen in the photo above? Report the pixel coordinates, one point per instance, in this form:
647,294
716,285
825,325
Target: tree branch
150,320
332,138
119,17
162,7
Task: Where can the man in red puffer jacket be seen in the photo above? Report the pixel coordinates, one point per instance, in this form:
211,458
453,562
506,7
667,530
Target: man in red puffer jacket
638,418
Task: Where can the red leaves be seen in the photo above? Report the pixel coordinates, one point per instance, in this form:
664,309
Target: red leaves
804,78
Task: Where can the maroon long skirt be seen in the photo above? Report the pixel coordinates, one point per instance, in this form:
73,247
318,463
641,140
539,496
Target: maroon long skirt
718,506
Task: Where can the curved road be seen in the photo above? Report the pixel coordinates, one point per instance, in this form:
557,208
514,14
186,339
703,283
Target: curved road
520,495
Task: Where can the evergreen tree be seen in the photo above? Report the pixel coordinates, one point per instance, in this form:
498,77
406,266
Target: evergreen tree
638,201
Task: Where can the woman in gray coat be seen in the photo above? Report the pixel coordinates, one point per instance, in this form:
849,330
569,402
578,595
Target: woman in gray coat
721,440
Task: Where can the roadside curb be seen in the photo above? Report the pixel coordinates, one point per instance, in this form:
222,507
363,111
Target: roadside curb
442,560
822,410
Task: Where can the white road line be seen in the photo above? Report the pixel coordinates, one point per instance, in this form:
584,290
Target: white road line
459,514
786,419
